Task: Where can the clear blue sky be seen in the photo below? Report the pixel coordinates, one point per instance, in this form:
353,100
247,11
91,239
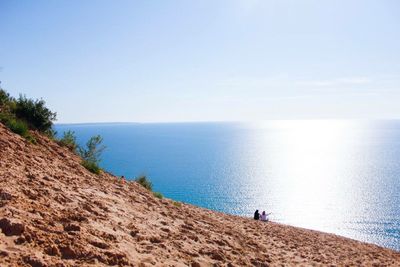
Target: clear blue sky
145,61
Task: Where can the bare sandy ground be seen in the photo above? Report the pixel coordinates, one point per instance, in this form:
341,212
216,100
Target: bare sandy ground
53,212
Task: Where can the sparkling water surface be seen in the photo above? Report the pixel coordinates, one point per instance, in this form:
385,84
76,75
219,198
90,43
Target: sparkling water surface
341,177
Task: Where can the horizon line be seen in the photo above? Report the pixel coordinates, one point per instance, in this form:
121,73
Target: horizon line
220,121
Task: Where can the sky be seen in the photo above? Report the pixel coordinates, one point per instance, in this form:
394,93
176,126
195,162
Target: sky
215,60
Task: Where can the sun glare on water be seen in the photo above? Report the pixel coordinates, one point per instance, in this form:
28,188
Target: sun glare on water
304,163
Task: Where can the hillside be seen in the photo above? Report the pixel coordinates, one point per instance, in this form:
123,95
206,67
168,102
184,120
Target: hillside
53,212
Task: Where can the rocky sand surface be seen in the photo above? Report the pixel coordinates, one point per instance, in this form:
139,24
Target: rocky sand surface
53,212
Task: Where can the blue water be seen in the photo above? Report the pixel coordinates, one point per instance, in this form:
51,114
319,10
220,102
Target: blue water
341,177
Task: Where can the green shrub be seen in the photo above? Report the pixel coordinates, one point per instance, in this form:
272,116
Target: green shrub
69,140
24,114
93,150
91,154
52,134
35,113
91,166
5,99
4,118
158,195
18,127
143,181
31,139
177,204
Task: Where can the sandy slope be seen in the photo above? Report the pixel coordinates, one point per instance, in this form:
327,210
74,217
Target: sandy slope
55,213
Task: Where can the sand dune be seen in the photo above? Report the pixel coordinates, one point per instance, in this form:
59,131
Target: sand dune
53,212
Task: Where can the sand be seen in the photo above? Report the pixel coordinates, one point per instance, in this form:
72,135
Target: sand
53,212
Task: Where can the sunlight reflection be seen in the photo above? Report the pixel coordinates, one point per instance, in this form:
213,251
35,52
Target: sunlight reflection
307,159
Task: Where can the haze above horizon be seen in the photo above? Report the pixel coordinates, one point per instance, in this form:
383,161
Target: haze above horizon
175,61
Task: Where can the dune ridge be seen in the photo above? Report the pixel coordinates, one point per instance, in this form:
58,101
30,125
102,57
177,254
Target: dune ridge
53,212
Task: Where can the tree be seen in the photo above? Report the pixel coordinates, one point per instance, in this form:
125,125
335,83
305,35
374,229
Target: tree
35,113
93,150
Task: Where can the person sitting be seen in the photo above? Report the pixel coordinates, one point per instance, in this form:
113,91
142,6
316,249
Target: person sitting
264,216
256,215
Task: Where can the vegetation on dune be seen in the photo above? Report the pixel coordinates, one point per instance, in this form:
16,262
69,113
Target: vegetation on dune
93,149
91,166
10,118
177,204
145,182
69,140
35,114
15,125
91,153
158,195
23,114
5,99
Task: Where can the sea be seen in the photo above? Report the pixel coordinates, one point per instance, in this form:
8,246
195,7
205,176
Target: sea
335,176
